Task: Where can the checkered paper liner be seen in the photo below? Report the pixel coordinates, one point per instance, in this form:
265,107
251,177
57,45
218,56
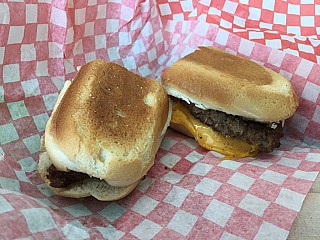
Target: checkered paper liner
189,193
292,26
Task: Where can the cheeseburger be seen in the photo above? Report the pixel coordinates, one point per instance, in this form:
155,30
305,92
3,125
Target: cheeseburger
104,132
229,104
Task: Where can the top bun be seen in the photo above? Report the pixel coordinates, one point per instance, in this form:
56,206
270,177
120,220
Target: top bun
213,79
108,122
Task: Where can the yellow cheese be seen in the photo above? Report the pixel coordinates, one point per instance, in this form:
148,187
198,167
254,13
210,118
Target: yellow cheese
210,139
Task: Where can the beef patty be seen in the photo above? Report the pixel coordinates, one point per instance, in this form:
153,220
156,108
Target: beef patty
60,179
263,135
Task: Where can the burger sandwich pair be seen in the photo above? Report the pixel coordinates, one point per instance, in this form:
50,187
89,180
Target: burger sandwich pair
108,123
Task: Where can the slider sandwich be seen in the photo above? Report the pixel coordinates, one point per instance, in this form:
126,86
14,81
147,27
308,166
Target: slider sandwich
229,104
104,132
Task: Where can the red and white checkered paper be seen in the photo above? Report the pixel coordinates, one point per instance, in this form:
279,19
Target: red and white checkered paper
189,193
292,25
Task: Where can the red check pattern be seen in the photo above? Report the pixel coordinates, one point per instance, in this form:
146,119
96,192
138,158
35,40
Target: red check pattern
189,193
291,26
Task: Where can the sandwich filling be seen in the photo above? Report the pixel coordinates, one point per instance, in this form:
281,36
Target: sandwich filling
61,179
232,136
266,136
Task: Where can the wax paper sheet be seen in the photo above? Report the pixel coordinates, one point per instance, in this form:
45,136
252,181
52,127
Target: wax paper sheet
189,193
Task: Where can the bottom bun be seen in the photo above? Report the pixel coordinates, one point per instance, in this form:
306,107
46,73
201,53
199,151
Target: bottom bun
181,129
97,188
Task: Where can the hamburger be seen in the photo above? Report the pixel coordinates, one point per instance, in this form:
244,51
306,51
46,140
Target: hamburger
103,133
229,104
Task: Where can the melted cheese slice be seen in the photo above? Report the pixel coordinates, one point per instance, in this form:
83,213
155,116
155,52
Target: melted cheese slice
210,139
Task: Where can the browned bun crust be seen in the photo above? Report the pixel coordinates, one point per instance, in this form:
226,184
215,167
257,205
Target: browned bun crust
214,79
111,100
108,123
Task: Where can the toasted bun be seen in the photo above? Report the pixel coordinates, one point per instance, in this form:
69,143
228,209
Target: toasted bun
108,122
99,189
213,79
